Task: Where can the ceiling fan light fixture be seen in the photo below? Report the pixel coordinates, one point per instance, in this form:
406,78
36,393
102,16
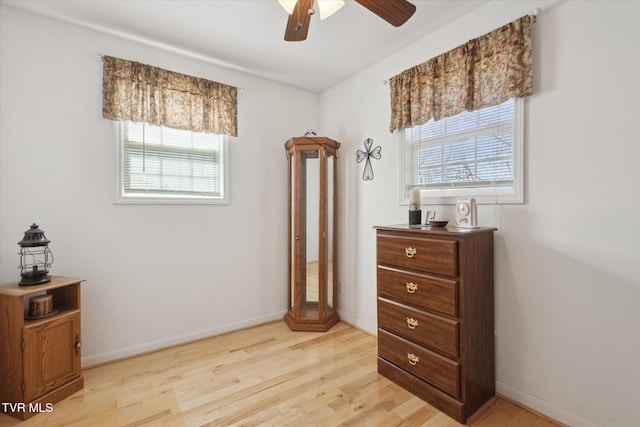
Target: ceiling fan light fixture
395,12
288,5
329,7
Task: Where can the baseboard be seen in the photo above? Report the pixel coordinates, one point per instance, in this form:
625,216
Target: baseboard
357,323
542,406
112,356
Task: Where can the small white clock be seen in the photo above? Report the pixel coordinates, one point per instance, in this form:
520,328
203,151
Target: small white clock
466,213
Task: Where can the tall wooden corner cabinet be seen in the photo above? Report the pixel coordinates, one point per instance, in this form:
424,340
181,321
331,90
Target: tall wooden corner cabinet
312,233
39,358
435,314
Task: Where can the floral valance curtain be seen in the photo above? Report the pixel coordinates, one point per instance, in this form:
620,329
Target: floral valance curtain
142,93
482,72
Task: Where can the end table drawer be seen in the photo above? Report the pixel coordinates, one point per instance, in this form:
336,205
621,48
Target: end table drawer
436,256
419,290
426,365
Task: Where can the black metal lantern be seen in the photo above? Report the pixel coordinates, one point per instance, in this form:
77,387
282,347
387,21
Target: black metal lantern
35,257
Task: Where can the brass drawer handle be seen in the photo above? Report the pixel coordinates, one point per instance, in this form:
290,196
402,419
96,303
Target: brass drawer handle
411,287
412,323
410,252
413,359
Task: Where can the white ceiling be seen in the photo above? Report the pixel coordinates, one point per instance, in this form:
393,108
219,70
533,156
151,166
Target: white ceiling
248,35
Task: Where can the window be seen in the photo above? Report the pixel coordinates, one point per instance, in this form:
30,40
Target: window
472,154
165,165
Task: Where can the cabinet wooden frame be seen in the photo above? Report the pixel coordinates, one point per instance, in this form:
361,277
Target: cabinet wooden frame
303,312
40,358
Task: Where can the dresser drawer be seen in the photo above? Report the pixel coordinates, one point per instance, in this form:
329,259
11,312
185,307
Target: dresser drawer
426,365
419,290
422,328
436,256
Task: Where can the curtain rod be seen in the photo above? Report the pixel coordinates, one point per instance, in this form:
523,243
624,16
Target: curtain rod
534,14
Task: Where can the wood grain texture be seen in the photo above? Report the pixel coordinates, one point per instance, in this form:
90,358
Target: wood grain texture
419,290
477,331
49,356
449,255
442,372
395,12
429,330
266,375
312,288
39,359
431,255
298,22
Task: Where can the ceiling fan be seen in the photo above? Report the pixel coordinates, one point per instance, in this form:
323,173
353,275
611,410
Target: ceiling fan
395,12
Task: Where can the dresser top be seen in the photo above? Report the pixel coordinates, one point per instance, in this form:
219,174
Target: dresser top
427,229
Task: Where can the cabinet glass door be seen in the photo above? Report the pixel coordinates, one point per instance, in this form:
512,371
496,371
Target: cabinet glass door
310,241
330,230
294,233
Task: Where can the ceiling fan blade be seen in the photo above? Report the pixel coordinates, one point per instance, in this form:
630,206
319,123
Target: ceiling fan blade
298,23
395,12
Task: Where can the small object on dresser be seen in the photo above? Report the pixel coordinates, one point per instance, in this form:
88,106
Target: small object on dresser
437,223
415,214
429,216
466,213
415,217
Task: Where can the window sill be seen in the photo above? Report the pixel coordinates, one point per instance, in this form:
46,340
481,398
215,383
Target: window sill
142,200
483,196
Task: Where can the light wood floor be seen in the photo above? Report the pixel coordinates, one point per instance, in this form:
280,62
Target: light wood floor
266,375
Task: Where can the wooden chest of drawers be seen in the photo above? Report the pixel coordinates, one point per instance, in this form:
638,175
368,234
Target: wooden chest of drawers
435,314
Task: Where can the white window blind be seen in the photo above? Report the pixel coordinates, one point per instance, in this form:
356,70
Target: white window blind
473,148
469,154
161,162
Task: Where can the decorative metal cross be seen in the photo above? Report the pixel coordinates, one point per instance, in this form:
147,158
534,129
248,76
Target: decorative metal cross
367,175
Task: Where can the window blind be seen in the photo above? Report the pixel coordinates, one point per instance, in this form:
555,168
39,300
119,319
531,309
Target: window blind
470,149
161,160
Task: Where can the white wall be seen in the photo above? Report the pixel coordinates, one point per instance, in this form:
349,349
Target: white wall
567,286
156,274
567,261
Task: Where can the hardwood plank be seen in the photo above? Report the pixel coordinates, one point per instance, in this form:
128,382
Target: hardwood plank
265,375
